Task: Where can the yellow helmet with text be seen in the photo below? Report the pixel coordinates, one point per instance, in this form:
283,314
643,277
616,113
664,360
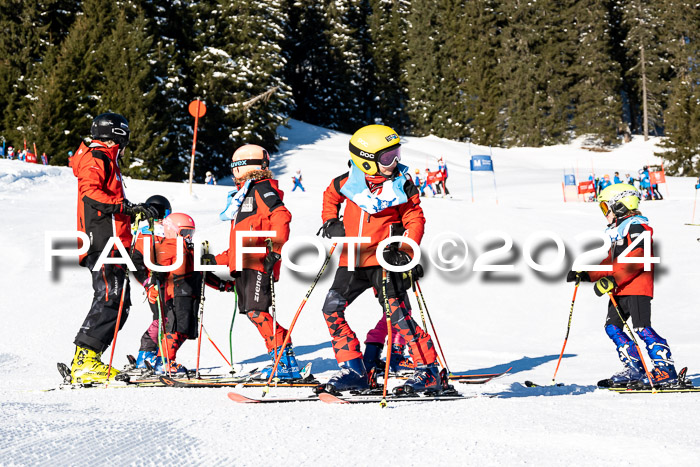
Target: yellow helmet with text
372,145
620,198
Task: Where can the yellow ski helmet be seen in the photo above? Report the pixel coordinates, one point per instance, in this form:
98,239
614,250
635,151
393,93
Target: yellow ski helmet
620,198
372,145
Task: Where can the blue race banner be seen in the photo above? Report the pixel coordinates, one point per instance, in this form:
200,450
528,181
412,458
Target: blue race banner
481,164
570,179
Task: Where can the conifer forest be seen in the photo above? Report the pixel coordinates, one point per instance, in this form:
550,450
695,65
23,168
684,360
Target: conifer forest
494,72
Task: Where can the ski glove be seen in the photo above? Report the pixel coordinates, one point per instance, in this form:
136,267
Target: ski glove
130,209
578,276
604,285
332,228
226,286
152,294
394,256
208,258
270,261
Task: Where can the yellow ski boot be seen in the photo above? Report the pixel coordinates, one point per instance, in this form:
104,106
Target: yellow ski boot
87,368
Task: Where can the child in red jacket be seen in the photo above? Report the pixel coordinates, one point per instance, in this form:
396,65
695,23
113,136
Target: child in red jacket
380,199
257,205
633,289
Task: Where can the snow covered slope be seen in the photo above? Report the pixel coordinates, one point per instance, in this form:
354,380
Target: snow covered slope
485,321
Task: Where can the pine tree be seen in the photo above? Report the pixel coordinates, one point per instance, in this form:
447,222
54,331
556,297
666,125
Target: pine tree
422,67
31,30
238,57
597,76
648,68
681,38
387,51
470,96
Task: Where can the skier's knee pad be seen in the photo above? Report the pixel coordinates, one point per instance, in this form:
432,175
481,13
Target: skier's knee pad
334,303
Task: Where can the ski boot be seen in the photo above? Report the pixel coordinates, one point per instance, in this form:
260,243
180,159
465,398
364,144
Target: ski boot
288,367
352,376
87,368
399,363
662,375
424,378
162,367
146,356
373,357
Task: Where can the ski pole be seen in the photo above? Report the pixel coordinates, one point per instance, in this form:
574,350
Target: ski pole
266,389
205,251
387,315
274,308
427,312
568,328
215,346
159,302
230,330
641,357
137,220
422,316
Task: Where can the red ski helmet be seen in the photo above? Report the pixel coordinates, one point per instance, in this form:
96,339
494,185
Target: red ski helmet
178,224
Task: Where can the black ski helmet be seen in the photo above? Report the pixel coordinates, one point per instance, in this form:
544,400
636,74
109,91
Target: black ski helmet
161,203
111,126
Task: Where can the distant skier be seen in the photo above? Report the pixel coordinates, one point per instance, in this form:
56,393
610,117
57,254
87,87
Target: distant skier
419,183
442,168
632,287
297,181
644,183
630,179
429,181
44,158
379,196
604,183
617,178
103,212
209,178
10,153
257,205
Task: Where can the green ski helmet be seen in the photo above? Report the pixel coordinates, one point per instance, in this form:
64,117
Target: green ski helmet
620,198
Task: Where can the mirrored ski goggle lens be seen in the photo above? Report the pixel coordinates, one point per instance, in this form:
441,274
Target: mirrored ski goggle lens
388,158
187,233
604,207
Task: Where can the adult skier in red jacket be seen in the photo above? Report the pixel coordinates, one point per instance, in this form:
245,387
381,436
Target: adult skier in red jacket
103,212
380,200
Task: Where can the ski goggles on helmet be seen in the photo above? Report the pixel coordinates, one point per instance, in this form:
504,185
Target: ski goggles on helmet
604,207
187,233
389,156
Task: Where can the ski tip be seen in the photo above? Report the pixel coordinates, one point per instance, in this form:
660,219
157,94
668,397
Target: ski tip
235,397
329,398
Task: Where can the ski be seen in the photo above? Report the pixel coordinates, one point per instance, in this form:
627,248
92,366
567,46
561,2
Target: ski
232,382
235,397
465,378
683,385
329,398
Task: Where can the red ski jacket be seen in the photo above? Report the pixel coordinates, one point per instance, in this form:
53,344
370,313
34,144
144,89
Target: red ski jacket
359,223
100,197
631,278
262,209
